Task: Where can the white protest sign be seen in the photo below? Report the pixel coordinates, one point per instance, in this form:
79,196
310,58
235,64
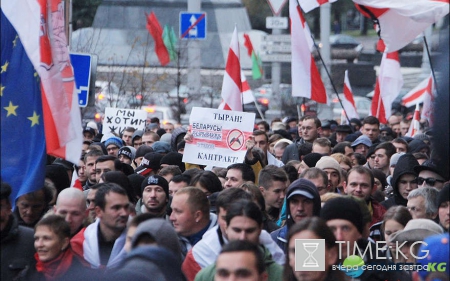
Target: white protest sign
219,136
117,119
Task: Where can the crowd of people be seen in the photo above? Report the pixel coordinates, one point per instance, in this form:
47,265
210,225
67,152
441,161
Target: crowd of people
131,209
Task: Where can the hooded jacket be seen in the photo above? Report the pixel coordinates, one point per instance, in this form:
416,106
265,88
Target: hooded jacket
405,165
206,251
302,187
149,263
274,270
162,232
17,251
177,136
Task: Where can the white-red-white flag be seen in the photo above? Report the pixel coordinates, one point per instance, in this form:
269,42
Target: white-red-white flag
414,128
308,5
428,102
388,85
247,94
306,80
348,101
398,21
232,84
417,94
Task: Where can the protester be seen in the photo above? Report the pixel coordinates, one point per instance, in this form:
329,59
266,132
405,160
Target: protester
155,196
55,260
31,207
237,174
273,183
312,228
71,204
422,203
443,203
17,248
302,201
102,243
394,220
191,217
154,254
244,222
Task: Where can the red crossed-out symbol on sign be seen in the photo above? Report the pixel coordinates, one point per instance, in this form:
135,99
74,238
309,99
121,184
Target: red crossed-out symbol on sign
193,25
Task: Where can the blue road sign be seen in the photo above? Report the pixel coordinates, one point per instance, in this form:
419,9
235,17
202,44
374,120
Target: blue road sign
192,25
82,71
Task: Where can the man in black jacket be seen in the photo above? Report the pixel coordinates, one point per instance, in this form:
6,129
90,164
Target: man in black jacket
17,242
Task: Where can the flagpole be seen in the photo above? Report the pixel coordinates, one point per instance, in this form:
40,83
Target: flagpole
328,73
431,64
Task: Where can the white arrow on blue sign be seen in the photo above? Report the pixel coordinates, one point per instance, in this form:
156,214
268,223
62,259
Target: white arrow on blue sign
192,25
81,64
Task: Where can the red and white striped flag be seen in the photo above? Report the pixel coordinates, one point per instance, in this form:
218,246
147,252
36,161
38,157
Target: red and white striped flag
414,128
232,83
62,119
400,22
428,102
247,94
306,80
388,85
308,5
348,102
417,94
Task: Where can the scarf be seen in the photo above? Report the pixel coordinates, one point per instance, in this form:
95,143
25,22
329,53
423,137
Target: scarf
55,268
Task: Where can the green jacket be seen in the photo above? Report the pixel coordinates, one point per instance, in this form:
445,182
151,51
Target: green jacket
274,270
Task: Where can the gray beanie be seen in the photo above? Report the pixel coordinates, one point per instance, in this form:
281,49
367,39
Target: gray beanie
394,158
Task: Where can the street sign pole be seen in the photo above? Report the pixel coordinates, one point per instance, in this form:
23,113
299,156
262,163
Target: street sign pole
194,55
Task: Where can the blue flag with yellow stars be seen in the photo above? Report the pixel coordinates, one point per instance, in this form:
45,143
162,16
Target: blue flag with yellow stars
22,130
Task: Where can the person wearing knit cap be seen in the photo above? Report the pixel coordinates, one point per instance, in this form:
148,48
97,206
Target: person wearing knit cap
417,145
150,164
437,247
167,137
443,203
140,153
136,138
403,181
334,171
345,217
173,158
155,196
135,182
161,147
302,201
309,161
154,254
344,213
126,154
423,137
113,144
430,175
356,123
415,230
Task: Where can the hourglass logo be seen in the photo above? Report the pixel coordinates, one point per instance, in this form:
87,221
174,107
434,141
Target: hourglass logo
309,254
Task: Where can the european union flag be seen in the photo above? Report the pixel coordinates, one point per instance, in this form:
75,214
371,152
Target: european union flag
22,128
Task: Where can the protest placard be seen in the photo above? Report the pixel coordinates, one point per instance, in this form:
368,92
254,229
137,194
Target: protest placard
219,136
117,119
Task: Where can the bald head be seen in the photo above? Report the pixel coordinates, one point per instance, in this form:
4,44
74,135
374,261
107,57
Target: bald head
71,204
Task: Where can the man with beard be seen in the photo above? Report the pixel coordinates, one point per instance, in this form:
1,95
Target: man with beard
155,196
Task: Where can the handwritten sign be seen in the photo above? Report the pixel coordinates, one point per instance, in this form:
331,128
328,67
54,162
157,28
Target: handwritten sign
219,136
117,119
